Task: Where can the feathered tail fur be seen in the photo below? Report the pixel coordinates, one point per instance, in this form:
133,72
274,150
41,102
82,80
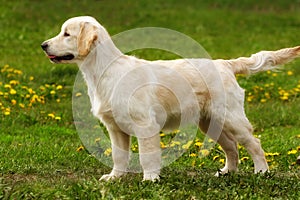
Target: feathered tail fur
263,61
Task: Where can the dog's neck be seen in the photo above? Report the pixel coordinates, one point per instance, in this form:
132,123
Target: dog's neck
96,65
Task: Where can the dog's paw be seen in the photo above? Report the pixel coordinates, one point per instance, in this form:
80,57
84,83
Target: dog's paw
154,177
112,176
298,160
222,172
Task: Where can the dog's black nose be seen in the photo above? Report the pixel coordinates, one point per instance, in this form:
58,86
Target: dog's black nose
44,45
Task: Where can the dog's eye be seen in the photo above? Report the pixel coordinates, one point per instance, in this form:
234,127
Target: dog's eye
66,34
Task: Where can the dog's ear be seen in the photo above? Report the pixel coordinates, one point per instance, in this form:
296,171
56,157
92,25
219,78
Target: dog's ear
87,35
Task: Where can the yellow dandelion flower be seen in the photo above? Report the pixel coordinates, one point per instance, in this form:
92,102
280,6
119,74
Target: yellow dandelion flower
198,144
97,140
80,148
290,73
58,100
12,91
107,152
263,100
13,82
7,86
274,74
204,152
21,105
294,151
31,78
222,160
284,98
59,87
244,158
51,115
187,145
16,71
162,145
52,92
272,154
162,135
267,95
215,158
176,131
13,102
31,91
57,118
78,94
193,155
250,98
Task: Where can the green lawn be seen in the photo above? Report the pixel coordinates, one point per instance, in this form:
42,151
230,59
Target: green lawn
41,155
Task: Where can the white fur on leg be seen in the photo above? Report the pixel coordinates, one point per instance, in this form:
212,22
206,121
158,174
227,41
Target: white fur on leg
112,175
153,176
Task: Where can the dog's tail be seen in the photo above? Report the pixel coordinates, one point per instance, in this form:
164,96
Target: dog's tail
263,61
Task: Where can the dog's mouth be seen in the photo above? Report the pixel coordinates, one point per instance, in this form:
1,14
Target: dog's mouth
54,58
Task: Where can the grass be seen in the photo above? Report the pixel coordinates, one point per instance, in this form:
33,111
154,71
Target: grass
40,154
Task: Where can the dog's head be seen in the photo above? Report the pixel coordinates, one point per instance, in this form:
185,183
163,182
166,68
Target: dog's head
76,39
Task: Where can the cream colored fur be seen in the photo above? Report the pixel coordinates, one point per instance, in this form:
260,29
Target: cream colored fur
109,74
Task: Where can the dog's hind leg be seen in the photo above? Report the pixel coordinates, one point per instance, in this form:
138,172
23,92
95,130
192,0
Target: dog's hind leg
242,131
229,146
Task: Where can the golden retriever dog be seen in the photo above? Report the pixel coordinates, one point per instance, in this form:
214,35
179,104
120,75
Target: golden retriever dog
135,96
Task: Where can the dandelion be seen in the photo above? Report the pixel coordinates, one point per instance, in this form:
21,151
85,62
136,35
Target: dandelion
21,105
57,118
162,145
272,154
204,152
193,155
12,91
13,102
7,86
162,135
244,158
52,92
107,152
215,158
198,144
7,111
31,78
80,148
13,82
51,115
59,87
290,73
263,100
78,94
187,145
294,151
176,131
222,160
97,140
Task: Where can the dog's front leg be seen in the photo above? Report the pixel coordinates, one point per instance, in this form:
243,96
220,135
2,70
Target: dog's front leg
120,143
150,157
